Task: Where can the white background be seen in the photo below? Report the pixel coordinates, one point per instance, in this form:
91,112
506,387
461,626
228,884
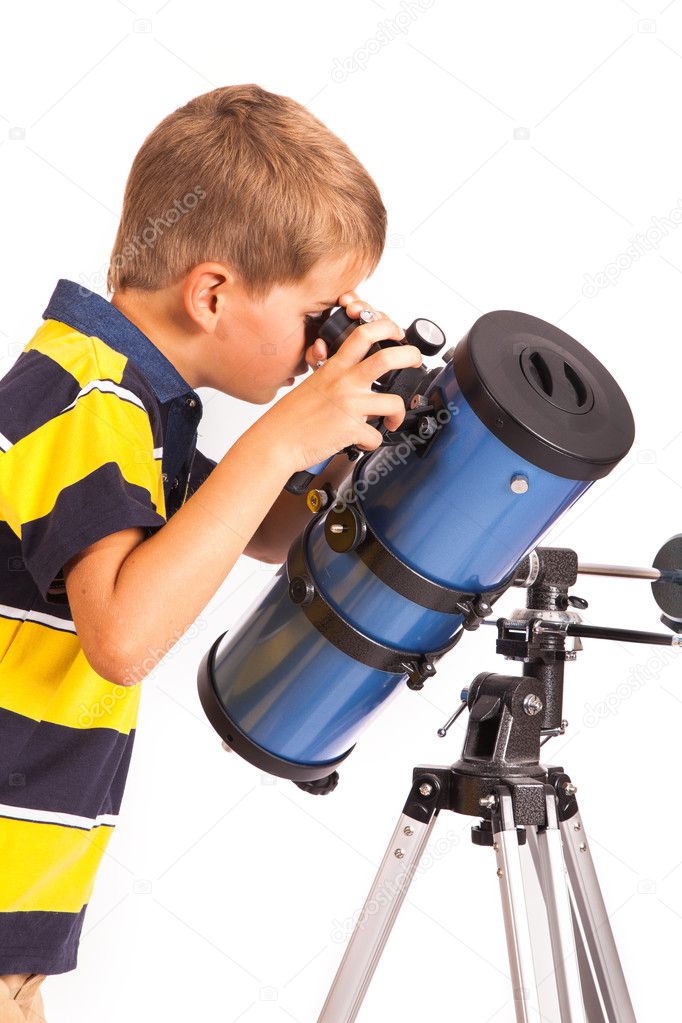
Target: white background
518,148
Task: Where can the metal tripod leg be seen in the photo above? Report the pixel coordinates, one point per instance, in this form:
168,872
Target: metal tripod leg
517,924
377,918
546,850
594,929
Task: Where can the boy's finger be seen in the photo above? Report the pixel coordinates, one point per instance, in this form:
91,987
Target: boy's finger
353,304
395,357
316,353
360,340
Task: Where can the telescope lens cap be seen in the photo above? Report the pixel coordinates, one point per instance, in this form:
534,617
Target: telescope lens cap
544,395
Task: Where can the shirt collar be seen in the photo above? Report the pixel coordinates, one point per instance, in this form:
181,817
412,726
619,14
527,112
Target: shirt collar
88,312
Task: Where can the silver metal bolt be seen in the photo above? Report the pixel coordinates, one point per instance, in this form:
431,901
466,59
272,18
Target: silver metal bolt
500,872
577,826
408,830
532,704
583,847
518,484
569,788
337,527
425,789
488,802
398,853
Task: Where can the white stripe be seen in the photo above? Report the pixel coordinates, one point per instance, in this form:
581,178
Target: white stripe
158,452
5,444
71,820
65,624
111,388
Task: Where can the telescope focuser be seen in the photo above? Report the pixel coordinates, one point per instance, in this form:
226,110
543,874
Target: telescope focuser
334,326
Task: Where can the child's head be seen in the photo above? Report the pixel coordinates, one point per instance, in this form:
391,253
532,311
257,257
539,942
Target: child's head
243,214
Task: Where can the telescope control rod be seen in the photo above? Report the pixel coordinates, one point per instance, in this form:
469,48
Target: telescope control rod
630,572
607,632
598,632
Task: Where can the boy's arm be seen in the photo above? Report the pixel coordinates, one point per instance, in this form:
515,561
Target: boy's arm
122,590
288,516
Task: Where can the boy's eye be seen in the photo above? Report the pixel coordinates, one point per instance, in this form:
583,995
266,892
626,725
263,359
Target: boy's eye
312,323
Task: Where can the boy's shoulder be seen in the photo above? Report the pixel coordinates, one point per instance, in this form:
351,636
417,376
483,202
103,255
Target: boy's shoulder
59,366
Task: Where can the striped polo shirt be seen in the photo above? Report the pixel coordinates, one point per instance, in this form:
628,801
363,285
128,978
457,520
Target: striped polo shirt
98,433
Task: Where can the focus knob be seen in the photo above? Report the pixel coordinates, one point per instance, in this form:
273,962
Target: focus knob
425,335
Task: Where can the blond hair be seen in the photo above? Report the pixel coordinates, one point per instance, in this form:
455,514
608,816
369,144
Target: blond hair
250,178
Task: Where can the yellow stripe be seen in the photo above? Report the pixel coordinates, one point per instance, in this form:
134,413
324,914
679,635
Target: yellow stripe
48,866
100,428
83,357
45,675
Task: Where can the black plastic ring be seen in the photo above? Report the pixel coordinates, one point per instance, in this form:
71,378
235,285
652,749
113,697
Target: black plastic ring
240,742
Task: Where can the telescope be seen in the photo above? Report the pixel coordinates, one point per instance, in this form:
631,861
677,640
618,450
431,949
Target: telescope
429,531
424,536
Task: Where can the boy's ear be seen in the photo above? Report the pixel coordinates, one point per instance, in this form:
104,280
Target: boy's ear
204,293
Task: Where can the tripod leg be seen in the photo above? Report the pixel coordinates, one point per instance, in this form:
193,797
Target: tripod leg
593,922
546,849
382,905
515,911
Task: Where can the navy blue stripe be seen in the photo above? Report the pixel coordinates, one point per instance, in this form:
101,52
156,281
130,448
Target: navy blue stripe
39,941
32,392
67,770
134,381
101,503
202,467
17,588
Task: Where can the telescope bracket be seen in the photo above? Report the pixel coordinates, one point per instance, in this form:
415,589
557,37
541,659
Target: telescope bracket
343,635
346,528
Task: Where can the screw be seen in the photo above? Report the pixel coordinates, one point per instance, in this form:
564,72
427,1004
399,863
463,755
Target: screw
408,830
496,846
427,426
316,499
583,847
577,826
337,527
398,853
488,802
569,788
425,789
532,704
500,872
518,484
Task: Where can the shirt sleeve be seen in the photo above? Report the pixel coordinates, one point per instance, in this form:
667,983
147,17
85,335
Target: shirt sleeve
89,471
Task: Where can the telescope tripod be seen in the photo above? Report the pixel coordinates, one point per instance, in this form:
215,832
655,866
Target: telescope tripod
500,779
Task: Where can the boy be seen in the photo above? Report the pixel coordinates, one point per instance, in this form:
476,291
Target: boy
243,217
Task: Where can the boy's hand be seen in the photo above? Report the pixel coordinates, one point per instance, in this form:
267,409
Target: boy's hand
353,305
329,409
